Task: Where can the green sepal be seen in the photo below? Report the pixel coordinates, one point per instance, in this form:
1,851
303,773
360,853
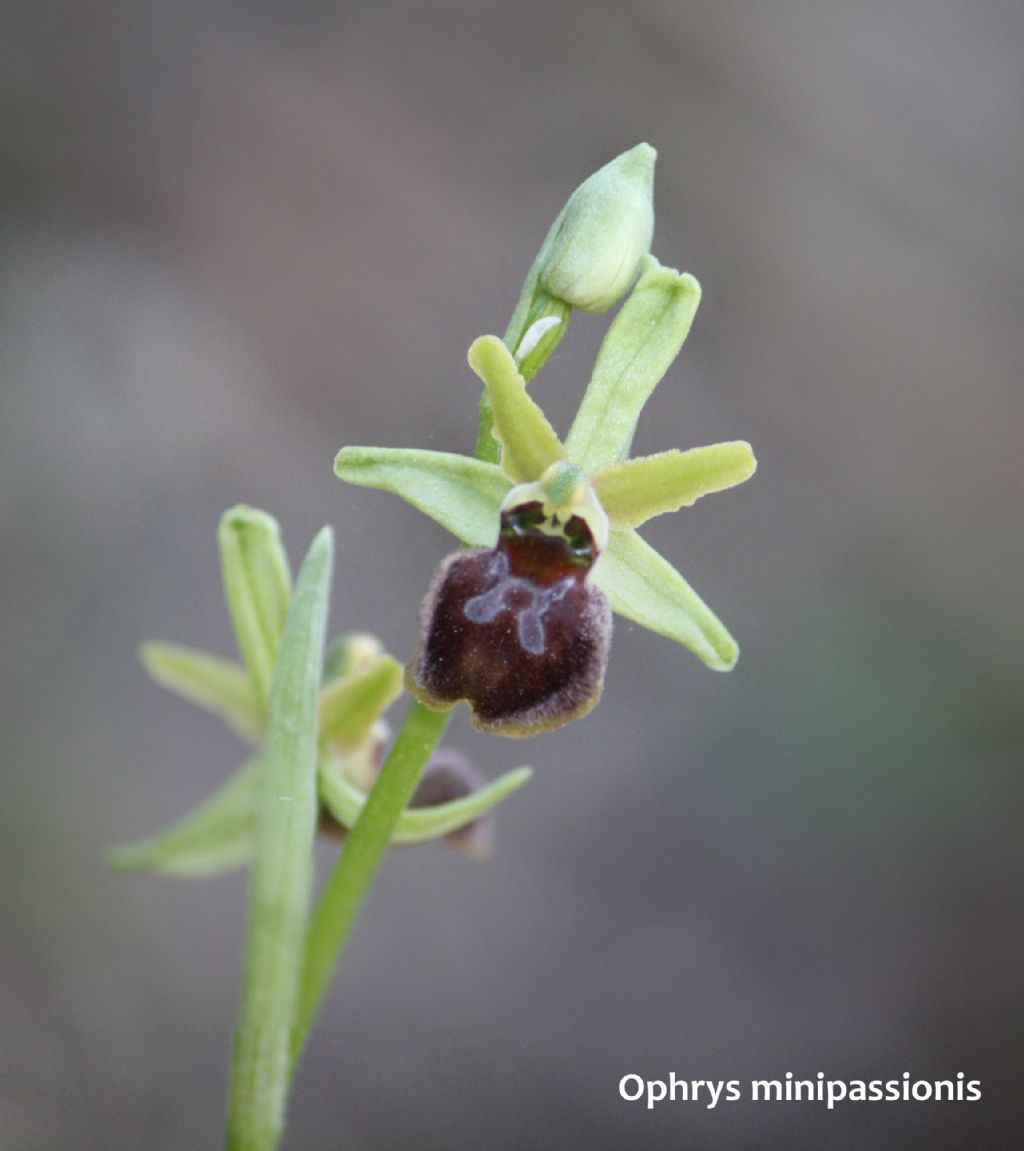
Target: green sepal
633,491
640,345
220,686
257,586
529,444
460,493
217,836
644,587
419,824
351,705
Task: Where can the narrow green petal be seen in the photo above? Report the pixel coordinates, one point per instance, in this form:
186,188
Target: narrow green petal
218,685
460,493
257,586
643,586
351,705
217,836
419,824
529,443
635,490
641,344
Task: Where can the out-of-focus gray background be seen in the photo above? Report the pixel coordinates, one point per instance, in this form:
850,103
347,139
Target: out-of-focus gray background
235,237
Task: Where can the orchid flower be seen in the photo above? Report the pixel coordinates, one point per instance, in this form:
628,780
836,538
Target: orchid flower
586,494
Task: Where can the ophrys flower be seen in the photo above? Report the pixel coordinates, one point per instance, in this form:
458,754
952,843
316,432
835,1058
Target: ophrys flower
581,494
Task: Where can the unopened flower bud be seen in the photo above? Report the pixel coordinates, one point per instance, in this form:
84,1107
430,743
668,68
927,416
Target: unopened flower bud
350,652
606,231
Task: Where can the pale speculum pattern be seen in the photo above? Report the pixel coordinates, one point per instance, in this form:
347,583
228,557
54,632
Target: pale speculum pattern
525,598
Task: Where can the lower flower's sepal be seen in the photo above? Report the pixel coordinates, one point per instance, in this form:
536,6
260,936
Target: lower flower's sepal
449,777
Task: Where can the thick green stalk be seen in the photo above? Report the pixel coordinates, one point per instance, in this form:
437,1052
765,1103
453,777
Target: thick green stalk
282,871
350,880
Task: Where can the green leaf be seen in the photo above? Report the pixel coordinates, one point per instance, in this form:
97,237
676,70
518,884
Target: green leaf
637,351
218,685
282,869
635,490
643,586
461,494
419,824
257,585
529,443
351,705
217,836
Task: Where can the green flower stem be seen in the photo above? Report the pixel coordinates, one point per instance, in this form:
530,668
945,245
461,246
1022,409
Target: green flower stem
532,297
350,880
534,303
282,872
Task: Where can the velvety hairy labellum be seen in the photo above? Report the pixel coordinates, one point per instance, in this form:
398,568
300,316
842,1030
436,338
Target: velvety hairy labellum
517,631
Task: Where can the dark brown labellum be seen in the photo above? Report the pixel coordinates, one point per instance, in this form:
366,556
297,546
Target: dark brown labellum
517,630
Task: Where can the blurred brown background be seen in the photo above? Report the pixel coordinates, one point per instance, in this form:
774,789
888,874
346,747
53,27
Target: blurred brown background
235,237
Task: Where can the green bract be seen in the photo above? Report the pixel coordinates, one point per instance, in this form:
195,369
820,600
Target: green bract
465,495
281,880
